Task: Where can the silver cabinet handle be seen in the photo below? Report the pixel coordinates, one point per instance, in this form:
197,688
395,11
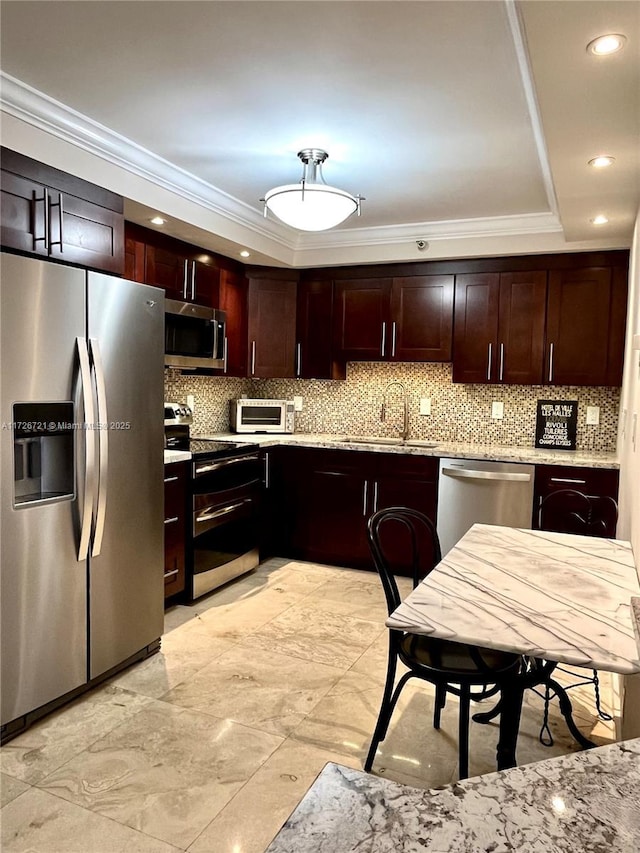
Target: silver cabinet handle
225,354
253,358
550,362
393,339
567,480
501,362
89,450
633,434
364,498
45,201
489,363
185,277
171,573
298,359
375,495
224,463
383,344
103,445
170,479
171,520
59,242
267,470
193,281
486,475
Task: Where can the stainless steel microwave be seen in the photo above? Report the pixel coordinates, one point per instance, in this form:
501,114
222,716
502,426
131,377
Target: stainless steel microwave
194,336
261,415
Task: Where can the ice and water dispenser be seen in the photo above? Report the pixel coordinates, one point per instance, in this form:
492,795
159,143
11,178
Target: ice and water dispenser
43,450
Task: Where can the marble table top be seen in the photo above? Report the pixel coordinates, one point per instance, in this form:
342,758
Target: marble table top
556,596
588,801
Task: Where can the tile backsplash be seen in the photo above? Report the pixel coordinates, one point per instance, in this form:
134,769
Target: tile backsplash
458,412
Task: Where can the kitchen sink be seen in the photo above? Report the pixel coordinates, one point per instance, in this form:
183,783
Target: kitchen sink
392,442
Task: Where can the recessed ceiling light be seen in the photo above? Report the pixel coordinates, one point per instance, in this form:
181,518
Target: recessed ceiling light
158,220
245,254
604,45
602,161
600,219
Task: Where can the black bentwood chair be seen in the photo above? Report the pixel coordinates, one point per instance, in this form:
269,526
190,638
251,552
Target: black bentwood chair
570,511
452,667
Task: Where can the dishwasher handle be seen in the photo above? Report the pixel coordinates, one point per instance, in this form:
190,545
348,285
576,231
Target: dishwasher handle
471,474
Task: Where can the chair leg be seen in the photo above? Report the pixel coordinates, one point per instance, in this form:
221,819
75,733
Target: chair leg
385,708
441,698
463,732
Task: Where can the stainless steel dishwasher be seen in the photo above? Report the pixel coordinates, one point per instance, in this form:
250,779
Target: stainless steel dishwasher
472,491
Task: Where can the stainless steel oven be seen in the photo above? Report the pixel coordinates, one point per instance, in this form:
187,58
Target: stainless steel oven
225,520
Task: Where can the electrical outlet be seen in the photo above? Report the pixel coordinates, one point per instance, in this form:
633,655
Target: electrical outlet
497,410
297,404
191,402
425,405
593,415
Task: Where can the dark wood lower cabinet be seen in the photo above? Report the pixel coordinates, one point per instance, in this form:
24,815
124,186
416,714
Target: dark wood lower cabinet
175,519
325,498
592,482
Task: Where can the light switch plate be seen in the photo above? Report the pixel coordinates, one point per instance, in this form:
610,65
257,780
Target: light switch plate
593,415
191,402
297,404
425,405
497,410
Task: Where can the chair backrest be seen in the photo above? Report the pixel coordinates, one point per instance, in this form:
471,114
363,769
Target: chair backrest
569,511
401,537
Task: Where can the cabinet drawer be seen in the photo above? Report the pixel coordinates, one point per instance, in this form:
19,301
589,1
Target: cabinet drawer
592,481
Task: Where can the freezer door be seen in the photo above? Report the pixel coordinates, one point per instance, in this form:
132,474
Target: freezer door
126,584
43,585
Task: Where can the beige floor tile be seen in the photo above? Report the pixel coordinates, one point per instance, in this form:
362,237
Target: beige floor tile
10,788
305,631
166,772
176,616
256,814
263,689
55,739
374,660
38,822
352,596
184,653
237,619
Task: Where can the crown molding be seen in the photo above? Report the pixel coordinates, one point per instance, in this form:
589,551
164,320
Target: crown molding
53,117
37,109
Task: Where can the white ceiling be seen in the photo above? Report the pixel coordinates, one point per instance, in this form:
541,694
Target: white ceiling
454,119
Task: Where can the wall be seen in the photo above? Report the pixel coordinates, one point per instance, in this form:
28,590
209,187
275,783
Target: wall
629,522
459,412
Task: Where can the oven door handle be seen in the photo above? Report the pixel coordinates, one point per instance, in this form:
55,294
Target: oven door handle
219,513
216,466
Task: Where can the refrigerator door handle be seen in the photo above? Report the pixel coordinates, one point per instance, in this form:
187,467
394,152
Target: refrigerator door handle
103,445
89,450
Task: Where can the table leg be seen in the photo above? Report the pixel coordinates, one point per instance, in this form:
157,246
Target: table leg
510,711
566,710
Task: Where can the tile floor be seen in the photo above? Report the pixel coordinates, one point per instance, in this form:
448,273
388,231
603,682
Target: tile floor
209,745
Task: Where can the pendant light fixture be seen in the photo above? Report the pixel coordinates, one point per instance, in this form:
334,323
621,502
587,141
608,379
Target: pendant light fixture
311,205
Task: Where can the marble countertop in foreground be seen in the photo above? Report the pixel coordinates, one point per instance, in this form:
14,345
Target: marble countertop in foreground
586,802
453,449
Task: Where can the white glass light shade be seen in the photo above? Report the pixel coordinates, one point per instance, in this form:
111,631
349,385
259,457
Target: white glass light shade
318,208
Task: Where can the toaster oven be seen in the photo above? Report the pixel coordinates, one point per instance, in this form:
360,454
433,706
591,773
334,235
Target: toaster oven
261,415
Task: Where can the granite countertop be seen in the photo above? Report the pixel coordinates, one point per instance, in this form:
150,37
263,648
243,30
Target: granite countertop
586,801
176,456
416,447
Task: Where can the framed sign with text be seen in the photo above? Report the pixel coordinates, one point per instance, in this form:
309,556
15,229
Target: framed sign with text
557,424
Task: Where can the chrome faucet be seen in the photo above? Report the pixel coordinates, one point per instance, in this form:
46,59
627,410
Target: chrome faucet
404,432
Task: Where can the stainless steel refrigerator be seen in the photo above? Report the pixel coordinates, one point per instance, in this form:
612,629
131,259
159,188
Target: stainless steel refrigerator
81,474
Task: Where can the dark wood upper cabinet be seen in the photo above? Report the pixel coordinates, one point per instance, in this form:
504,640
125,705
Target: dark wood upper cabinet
585,326
54,215
499,327
314,351
475,330
422,318
134,259
362,320
234,300
271,327
521,323
183,273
